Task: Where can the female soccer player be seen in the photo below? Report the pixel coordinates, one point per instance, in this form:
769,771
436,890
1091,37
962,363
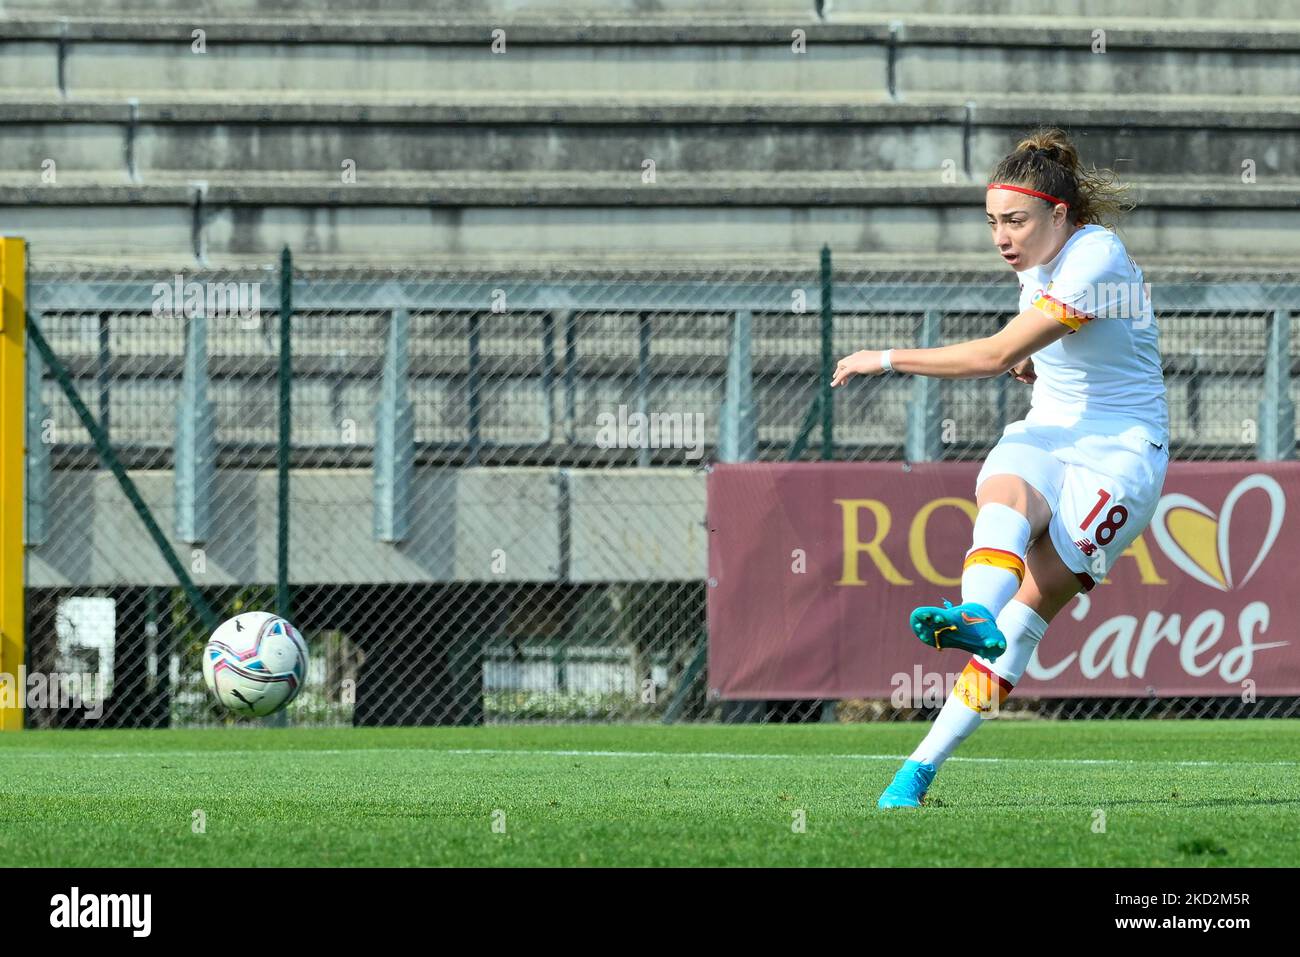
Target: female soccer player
1087,463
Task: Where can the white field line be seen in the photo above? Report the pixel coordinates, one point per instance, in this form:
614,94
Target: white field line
18,753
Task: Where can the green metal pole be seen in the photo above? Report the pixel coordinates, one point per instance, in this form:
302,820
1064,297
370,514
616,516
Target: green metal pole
282,605
828,331
828,408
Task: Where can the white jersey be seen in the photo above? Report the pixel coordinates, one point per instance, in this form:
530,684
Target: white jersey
1104,376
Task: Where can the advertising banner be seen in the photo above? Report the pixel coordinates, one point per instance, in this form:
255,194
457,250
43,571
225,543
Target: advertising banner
814,569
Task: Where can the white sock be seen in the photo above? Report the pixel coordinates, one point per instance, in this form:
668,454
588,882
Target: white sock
1024,629
995,562
959,717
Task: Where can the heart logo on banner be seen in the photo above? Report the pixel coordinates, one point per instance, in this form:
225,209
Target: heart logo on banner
1198,541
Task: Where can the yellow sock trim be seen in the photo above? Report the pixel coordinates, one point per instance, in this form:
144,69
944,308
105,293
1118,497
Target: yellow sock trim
997,557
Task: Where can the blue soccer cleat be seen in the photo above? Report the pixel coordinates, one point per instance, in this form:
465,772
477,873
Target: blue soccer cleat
968,626
909,785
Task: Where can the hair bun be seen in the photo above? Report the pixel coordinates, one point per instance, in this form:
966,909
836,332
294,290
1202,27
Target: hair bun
1090,193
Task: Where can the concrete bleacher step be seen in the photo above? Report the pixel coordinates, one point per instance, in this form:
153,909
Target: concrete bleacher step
1134,135
144,55
604,188
910,214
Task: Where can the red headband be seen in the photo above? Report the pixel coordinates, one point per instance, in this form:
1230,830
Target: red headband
1028,192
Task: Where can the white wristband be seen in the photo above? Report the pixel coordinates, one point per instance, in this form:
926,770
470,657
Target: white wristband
885,362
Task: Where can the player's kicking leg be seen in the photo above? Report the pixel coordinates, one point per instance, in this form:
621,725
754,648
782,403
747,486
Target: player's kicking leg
1011,512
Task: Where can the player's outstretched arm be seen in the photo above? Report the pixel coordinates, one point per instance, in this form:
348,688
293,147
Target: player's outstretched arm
982,358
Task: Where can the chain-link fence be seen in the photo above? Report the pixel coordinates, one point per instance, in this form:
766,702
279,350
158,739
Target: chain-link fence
496,504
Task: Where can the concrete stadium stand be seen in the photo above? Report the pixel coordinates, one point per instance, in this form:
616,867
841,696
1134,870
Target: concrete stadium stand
876,141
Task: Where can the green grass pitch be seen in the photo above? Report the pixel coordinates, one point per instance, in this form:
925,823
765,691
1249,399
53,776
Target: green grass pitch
1215,793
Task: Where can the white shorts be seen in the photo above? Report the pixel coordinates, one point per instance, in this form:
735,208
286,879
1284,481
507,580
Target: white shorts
1102,489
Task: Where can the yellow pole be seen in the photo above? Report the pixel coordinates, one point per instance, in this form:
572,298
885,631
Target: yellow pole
13,461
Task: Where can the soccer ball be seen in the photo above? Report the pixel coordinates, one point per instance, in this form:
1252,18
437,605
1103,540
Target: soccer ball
255,663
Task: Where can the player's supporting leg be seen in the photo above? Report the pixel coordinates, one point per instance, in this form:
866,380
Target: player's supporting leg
985,684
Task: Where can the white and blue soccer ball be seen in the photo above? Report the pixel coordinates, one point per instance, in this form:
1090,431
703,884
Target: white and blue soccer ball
255,663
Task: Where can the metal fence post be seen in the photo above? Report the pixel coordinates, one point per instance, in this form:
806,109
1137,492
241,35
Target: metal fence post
474,389
570,323
643,381
103,375
1276,410
195,472
738,435
38,450
548,375
394,435
923,413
